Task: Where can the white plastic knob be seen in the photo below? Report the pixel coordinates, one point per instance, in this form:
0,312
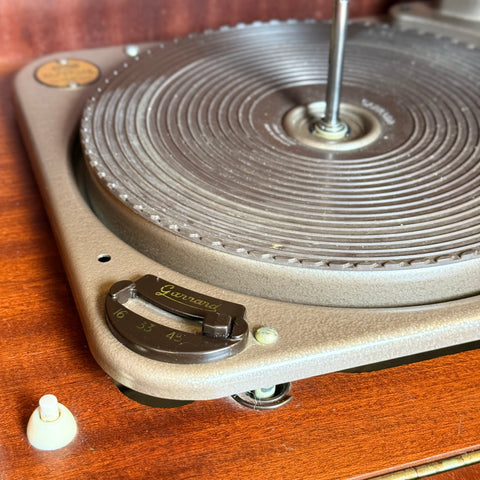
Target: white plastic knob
51,425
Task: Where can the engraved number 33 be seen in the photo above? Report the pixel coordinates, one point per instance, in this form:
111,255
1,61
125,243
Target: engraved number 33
147,327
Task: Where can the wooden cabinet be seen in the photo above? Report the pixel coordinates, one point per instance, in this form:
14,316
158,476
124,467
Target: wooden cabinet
338,426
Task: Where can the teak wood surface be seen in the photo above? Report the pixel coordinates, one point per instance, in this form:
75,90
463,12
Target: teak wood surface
338,426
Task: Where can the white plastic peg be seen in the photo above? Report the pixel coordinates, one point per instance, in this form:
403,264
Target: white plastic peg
51,425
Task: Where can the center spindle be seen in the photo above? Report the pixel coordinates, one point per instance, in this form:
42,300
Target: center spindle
331,127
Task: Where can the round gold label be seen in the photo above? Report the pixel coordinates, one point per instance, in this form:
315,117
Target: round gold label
67,73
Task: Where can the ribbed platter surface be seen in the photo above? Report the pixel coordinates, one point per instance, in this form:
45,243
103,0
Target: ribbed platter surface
190,137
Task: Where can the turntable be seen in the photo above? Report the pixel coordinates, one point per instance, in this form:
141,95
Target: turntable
242,208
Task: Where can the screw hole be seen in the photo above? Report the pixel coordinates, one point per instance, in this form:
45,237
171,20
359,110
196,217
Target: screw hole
104,258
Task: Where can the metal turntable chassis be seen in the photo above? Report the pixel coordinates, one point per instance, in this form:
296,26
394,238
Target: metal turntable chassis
312,340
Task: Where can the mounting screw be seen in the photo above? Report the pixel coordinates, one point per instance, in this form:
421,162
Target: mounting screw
266,335
264,393
273,397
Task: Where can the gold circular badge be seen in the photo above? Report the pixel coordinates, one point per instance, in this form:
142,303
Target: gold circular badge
67,73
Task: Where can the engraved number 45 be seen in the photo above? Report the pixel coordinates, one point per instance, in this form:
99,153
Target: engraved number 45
175,336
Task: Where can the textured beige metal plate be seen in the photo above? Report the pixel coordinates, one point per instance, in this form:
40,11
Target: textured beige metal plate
313,339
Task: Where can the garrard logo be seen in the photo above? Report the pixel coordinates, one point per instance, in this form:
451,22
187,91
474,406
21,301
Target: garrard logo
169,292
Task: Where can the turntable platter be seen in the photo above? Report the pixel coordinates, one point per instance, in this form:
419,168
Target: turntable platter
203,167
201,156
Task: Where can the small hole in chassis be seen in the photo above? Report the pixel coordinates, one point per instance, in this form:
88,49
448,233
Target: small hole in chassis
104,258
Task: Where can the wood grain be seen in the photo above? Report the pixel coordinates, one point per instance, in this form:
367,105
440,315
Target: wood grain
31,28
338,426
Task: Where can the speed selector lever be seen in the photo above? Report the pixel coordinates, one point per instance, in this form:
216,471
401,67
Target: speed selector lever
224,329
